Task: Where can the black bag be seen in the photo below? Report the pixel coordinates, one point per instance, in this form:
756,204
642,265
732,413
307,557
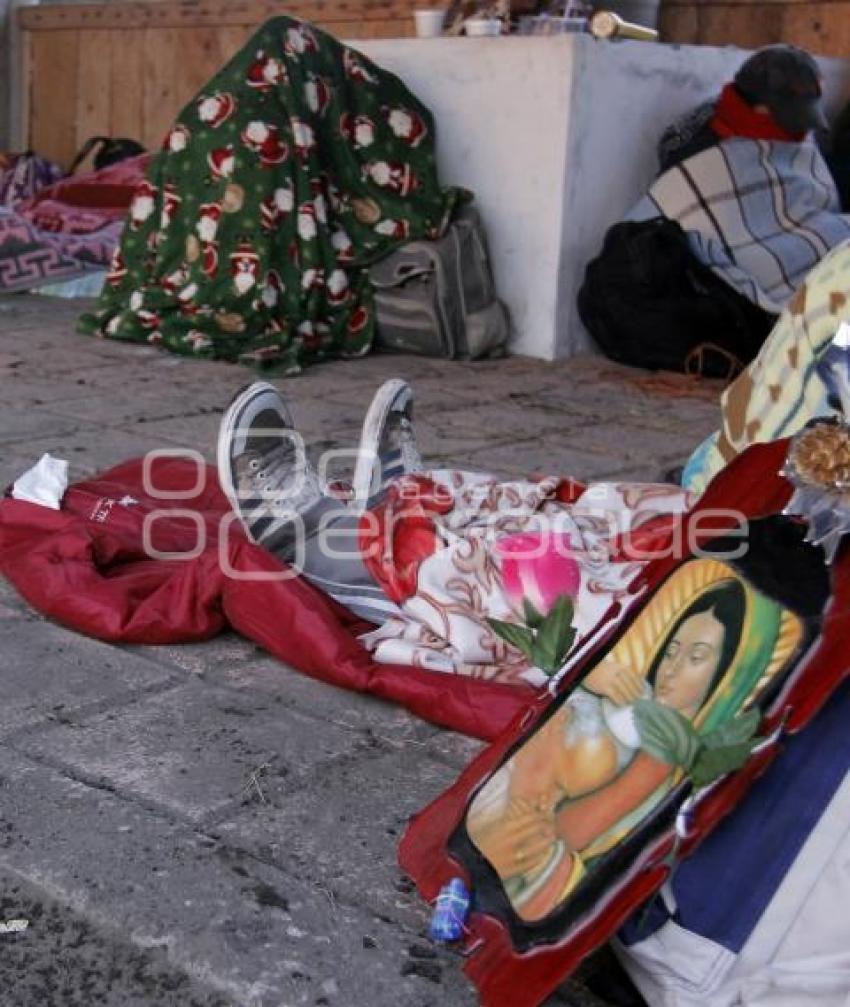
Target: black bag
112,150
838,157
649,302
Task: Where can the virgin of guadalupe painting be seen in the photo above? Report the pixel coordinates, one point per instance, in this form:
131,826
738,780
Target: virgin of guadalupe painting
708,645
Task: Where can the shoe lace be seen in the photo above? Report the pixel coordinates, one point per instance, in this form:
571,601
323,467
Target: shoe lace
283,479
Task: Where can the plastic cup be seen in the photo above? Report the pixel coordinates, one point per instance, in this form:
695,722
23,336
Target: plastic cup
429,22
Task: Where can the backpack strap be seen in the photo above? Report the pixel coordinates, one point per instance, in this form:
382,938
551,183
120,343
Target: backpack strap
86,149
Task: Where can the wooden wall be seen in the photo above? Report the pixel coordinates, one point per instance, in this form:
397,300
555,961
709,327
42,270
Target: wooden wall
126,69
821,27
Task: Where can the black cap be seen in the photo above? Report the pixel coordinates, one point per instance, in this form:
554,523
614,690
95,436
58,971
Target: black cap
787,80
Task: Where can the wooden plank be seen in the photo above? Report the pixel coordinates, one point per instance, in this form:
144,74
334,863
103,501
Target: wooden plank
822,28
22,124
94,88
162,95
232,38
360,28
679,23
748,27
389,28
126,69
53,94
127,84
200,57
70,17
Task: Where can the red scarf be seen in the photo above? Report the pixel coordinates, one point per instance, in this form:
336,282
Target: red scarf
734,117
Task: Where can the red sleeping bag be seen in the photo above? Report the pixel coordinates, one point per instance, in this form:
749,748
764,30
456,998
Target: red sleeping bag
89,566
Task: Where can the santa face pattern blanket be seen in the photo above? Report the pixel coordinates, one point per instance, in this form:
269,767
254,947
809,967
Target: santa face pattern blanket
296,166
760,213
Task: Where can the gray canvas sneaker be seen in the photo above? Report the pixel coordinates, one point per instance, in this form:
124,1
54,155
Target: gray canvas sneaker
263,467
387,444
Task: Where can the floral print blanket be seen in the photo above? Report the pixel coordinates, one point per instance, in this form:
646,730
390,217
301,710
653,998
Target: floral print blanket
297,165
455,548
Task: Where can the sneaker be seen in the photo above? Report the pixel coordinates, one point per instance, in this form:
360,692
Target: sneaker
263,467
388,443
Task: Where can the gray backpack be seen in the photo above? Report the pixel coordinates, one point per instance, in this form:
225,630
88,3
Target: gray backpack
437,298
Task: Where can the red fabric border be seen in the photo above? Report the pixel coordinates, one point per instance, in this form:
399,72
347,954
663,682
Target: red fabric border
505,977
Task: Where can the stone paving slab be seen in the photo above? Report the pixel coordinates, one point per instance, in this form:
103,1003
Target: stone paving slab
57,359
604,440
13,464
441,445
51,674
386,723
193,750
258,936
62,959
14,602
87,450
435,394
126,760
484,423
227,649
629,401
197,432
518,460
79,383
117,407
18,424
234,663
342,833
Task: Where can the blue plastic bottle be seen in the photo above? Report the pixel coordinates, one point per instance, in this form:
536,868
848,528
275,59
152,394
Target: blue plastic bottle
450,912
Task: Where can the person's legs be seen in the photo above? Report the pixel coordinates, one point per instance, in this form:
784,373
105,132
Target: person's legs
274,490
331,559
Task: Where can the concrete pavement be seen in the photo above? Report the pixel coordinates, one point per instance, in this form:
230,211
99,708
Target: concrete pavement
199,824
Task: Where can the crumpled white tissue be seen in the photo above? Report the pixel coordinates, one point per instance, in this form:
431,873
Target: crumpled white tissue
44,484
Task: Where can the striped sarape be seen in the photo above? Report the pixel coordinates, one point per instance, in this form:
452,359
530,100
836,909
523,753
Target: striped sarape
760,213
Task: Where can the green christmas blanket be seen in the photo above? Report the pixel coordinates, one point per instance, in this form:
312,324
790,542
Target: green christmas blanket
297,165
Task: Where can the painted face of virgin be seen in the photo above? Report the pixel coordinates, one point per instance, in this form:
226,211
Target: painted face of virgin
689,662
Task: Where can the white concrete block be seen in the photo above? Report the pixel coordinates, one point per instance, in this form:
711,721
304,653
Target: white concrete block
557,136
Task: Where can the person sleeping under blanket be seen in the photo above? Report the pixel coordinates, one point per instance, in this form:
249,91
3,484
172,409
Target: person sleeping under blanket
744,208
750,187
295,167
429,557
